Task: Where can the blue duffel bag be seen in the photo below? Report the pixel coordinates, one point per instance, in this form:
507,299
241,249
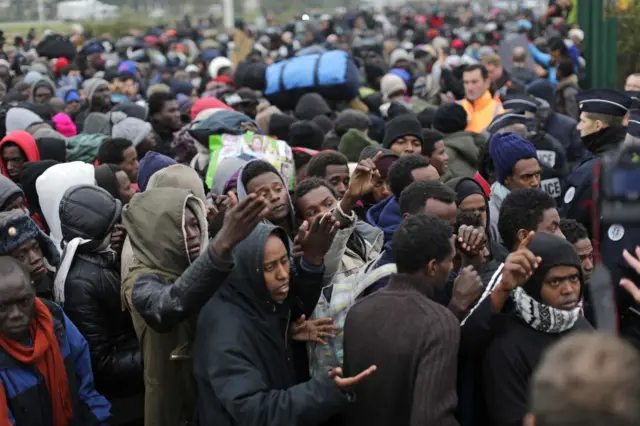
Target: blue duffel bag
334,75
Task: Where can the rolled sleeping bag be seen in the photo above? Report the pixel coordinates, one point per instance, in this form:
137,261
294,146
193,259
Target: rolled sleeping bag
334,75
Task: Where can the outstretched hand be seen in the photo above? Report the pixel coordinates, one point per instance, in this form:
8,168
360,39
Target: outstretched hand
313,242
627,284
519,266
346,383
362,179
313,330
239,222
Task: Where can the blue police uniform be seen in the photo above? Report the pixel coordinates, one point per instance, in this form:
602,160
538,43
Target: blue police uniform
578,201
578,196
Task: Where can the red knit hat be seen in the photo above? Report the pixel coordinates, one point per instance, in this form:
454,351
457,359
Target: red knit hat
60,64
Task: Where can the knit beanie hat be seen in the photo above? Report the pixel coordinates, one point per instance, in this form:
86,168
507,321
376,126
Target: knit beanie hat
324,122
92,85
401,126
392,84
130,128
467,187
20,119
426,117
351,119
506,149
398,55
279,126
554,251
65,125
450,118
9,191
151,163
353,142
396,108
306,134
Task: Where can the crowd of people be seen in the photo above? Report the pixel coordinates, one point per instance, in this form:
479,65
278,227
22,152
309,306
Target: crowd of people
204,227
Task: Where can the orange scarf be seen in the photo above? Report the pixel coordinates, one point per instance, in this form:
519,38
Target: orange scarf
47,356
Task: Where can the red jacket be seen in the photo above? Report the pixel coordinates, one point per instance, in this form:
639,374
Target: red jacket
25,142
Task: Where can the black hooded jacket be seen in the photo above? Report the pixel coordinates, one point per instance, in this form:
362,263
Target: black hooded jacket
242,351
92,292
517,347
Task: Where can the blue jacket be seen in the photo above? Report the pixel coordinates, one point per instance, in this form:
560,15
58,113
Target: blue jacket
27,396
386,216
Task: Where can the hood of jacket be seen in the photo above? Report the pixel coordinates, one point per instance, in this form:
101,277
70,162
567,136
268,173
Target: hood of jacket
454,184
150,164
52,149
25,142
353,142
311,105
225,170
88,212
51,187
155,220
467,145
8,192
386,216
43,82
30,173
178,176
20,118
245,285
242,194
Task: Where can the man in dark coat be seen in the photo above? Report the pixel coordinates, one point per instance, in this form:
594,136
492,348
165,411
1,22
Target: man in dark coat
546,280
243,360
412,338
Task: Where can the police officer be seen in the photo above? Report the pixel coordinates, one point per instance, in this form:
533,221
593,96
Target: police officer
601,127
602,113
616,237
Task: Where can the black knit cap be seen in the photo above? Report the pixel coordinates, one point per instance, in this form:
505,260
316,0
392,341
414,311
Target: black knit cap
554,251
306,134
450,118
401,126
279,126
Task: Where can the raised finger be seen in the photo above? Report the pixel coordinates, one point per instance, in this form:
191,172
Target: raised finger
632,261
525,243
377,156
631,288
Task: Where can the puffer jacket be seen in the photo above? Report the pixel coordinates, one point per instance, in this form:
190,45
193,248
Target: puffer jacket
92,291
463,149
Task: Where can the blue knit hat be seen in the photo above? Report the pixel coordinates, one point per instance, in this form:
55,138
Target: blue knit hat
506,149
